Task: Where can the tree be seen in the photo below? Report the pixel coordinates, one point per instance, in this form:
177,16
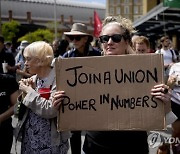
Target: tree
51,27
10,30
38,35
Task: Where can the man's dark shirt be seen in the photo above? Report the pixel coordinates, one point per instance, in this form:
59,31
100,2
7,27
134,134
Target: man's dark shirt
75,53
8,86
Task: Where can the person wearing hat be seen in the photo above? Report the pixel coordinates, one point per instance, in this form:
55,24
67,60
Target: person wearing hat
81,41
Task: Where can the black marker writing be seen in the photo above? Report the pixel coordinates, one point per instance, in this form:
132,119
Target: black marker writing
78,105
107,77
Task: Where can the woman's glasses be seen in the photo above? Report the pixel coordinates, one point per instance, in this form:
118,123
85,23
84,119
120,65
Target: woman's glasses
75,37
116,38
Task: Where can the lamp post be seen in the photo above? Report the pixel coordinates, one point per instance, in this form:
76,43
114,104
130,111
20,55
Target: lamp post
55,20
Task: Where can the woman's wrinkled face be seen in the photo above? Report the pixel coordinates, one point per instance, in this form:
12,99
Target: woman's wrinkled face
32,64
115,47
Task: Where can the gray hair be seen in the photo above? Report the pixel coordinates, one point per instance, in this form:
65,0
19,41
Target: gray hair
40,50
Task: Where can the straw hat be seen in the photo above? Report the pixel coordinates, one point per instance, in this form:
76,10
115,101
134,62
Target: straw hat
79,29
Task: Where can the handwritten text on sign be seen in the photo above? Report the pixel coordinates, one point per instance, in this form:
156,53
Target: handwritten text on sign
102,88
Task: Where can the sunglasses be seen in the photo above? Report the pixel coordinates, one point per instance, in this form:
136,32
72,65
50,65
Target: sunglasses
115,38
77,37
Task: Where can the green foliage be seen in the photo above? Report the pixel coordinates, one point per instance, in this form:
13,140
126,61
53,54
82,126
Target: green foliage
38,35
10,29
51,27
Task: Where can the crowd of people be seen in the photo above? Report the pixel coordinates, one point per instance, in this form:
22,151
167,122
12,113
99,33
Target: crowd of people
28,90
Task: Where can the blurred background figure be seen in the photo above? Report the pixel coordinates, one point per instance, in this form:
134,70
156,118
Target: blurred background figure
8,47
55,45
60,47
96,44
63,47
169,55
133,40
21,71
8,96
158,46
171,47
141,45
11,48
22,45
7,58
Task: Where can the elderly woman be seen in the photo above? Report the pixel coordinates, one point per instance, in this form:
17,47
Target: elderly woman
116,39
38,124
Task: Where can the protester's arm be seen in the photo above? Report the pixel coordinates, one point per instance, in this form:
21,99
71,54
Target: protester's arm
35,102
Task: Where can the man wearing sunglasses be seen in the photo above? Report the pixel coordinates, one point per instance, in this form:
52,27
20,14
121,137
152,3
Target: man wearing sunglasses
81,41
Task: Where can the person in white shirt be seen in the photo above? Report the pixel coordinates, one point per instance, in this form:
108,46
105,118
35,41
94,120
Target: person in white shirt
169,55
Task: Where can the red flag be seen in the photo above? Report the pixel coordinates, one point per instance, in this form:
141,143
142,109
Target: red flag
97,25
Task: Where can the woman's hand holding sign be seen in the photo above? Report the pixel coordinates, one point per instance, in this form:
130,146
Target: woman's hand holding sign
161,92
58,98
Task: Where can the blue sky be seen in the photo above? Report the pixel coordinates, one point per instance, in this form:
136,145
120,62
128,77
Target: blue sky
93,1
99,1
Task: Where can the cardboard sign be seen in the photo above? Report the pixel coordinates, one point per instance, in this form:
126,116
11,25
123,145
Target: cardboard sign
110,92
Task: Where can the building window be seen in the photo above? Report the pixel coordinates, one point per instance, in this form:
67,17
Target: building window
136,10
111,2
111,11
118,1
126,9
141,10
136,2
126,1
118,10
